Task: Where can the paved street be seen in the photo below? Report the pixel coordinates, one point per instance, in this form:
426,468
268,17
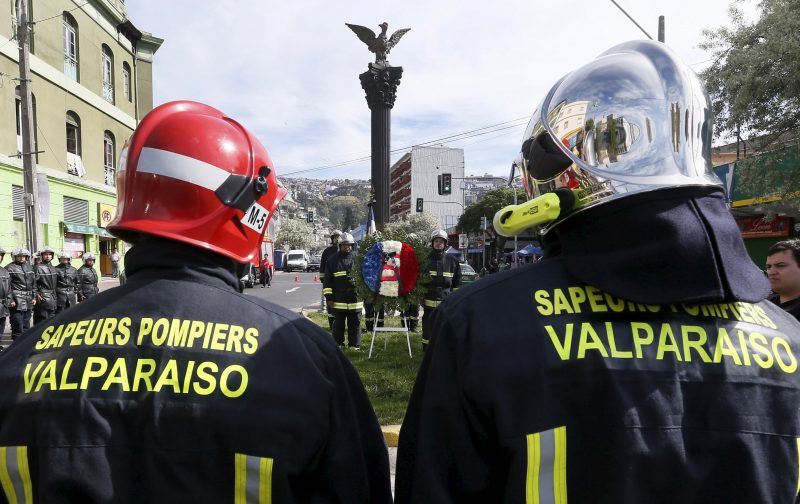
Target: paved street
304,293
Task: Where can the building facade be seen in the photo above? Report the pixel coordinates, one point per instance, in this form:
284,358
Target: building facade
416,184
91,80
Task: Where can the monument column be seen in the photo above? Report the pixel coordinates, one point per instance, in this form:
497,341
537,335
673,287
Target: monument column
380,83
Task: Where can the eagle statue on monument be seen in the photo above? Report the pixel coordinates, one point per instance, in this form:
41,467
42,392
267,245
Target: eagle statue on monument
379,44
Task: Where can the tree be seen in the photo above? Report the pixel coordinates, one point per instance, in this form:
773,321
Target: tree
490,204
421,224
295,234
349,221
755,93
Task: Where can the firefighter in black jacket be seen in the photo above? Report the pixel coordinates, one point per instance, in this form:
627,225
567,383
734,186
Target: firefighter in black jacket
639,362
5,293
87,278
66,294
46,280
323,260
340,294
445,278
23,300
136,395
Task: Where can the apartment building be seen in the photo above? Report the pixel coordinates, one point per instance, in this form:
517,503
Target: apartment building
91,78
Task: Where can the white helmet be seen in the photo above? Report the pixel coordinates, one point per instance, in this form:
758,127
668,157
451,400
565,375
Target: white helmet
439,233
20,251
64,255
88,256
346,239
47,249
335,232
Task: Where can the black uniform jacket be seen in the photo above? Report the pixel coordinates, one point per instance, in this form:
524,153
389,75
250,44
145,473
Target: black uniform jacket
175,387
338,284
23,282
5,292
65,284
326,254
87,281
445,276
539,387
46,279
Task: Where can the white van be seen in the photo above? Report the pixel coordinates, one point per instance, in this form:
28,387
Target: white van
296,260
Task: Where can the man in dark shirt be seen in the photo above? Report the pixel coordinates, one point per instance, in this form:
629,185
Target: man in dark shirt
783,273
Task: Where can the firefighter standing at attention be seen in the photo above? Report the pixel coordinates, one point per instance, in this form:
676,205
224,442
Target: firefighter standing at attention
445,278
323,260
340,294
136,395
66,294
46,279
640,360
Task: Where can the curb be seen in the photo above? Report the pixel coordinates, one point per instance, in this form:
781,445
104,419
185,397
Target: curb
391,433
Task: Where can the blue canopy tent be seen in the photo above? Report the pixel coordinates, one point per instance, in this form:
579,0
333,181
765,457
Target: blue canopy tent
455,252
529,250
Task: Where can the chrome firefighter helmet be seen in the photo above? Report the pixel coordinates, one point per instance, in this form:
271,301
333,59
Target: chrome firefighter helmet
64,255
88,256
346,239
47,250
335,232
635,119
439,233
20,251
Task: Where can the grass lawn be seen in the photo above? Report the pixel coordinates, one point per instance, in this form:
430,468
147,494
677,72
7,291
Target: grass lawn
389,375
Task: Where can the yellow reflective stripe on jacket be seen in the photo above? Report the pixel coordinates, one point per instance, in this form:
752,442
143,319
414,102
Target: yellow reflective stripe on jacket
339,273
327,290
430,303
446,274
348,306
15,474
253,479
546,478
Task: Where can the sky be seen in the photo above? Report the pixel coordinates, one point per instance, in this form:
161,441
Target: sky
288,71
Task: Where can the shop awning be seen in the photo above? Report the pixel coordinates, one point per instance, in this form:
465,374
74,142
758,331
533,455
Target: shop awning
86,229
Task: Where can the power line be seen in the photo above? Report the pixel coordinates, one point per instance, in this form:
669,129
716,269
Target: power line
485,130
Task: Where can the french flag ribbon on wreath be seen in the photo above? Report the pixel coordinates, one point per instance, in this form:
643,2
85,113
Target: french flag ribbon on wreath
390,268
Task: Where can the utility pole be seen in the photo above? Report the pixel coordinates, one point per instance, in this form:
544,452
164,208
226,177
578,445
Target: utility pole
28,149
661,29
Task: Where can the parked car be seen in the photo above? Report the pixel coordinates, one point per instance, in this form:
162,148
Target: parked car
296,260
313,263
468,275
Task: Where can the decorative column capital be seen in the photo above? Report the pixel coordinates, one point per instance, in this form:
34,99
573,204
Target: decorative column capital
380,83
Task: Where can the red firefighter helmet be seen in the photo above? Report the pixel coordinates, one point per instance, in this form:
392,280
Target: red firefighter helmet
192,174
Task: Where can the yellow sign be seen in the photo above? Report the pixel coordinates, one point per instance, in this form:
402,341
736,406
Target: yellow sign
105,213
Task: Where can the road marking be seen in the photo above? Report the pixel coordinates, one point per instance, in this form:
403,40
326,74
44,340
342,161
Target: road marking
292,290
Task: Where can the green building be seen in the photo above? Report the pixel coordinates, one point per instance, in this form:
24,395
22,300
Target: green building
91,79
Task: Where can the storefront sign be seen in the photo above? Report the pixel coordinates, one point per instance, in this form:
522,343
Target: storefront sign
105,214
757,227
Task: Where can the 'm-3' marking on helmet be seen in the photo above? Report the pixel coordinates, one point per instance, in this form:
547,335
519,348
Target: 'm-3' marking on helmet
255,217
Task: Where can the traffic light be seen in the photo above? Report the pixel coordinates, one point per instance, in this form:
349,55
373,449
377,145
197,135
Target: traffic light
419,204
447,186
310,217
439,186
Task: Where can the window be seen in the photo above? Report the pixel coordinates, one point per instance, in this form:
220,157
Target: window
109,166
107,63
76,210
126,80
74,162
70,47
18,110
17,203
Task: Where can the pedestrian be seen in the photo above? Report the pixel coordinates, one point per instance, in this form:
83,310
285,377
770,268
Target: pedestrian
45,291
494,267
66,282
641,361
5,294
138,395
783,273
340,294
115,257
323,260
87,278
445,278
23,300
266,271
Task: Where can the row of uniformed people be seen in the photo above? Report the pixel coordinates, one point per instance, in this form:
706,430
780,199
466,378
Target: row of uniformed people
344,307
41,289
